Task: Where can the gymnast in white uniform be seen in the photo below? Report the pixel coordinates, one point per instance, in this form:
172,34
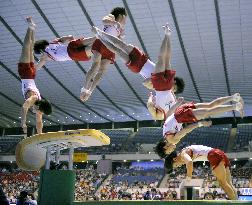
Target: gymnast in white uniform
158,77
114,25
218,160
27,73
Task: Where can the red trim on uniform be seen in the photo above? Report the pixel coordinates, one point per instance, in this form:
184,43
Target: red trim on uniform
184,114
216,156
103,50
76,50
137,59
163,81
26,70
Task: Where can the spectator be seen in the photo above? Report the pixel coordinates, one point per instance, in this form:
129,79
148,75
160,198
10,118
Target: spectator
134,183
209,196
3,198
24,199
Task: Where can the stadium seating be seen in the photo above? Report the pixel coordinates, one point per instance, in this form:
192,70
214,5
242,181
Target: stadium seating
123,181
125,140
216,136
118,135
244,135
148,135
118,138
133,176
8,143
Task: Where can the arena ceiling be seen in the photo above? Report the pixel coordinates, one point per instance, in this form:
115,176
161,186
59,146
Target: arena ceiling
211,50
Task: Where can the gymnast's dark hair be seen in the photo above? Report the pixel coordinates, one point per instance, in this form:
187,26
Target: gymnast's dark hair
39,46
117,11
44,106
160,148
180,85
169,162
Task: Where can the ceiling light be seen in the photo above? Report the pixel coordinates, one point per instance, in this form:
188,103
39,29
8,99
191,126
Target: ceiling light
89,113
80,116
58,120
29,121
73,120
50,123
14,122
19,117
95,116
133,113
152,160
86,119
107,115
91,121
66,117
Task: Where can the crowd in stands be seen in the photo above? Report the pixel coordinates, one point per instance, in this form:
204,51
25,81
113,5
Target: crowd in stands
137,176
125,178
242,177
15,181
126,183
123,193
135,183
139,190
87,182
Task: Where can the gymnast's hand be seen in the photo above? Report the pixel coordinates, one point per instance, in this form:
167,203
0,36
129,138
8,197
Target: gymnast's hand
206,123
180,100
152,98
188,178
85,94
148,84
24,126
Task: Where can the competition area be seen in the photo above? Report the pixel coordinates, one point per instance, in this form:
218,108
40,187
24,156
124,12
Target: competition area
70,178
